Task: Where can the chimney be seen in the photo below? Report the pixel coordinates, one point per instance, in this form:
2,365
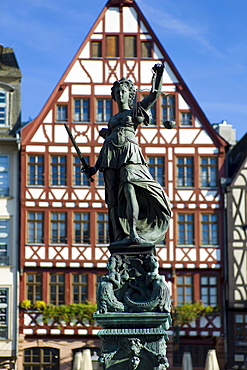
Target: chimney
226,131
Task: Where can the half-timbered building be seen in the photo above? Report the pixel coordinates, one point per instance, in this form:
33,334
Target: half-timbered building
64,240
236,229
10,120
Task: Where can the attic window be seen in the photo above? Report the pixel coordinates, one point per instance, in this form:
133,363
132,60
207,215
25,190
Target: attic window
62,113
146,49
130,46
112,46
96,49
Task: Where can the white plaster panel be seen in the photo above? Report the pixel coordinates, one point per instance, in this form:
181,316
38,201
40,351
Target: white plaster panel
60,136
192,205
134,70
168,134
102,90
187,136
146,71
170,190
30,264
48,118
142,27
85,53
180,150
84,149
170,171
208,150
115,66
48,131
112,20
46,264
83,205
168,76
145,37
203,138
58,149
39,136
130,22
58,193
81,193
204,205
77,74
181,205
30,204
64,98
197,122
96,36
43,204
84,131
170,154
155,150
97,149
168,88
28,196
99,27
182,103
81,90
36,192
210,195
240,180
157,53
57,204
163,254
94,69
185,194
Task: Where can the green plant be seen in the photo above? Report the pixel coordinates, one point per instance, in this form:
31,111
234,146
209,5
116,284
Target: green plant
189,312
26,304
40,305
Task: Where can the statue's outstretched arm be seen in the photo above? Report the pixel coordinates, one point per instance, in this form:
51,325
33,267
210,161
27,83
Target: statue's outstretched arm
149,100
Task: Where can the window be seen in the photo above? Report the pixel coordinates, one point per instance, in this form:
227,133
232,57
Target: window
209,229
80,178
82,228
146,49
184,289
96,49
62,113
3,108
34,286
104,110
100,179
4,175
130,46
111,46
35,227
81,110
153,113
57,289
36,170
4,301
168,108
4,241
102,228
38,358
58,227
241,327
58,170
185,119
185,228
209,290
209,170
156,168
185,172
80,288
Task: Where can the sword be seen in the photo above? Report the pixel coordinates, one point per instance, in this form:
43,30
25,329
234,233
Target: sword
85,165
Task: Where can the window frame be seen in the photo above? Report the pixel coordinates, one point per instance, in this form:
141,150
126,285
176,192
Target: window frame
82,230
81,113
99,54
112,51
184,286
4,176
130,42
4,110
208,167
187,178
154,168
170,108
81,286
78,175
181,119
57,230
149,54
4,305
4,259
38,225
57,284
210,232
35,285
102,228
59,175
38,171
187,224
208,288
105,115
61,116
54,356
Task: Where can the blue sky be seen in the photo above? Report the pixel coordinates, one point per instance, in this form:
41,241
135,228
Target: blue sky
206,40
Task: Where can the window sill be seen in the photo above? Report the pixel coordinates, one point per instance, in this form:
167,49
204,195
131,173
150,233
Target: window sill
80,122
209,246
185,246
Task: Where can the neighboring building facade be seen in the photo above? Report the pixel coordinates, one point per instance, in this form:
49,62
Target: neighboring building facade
236,228
10,113
64,242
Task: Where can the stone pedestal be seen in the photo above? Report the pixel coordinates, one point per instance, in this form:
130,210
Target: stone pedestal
133,311
133,340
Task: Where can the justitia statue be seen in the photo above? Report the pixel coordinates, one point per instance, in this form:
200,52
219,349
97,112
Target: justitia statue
139,210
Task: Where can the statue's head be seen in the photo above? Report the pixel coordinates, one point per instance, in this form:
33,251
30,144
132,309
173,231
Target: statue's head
127,84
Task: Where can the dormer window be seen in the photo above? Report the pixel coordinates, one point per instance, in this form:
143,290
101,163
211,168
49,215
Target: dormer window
3,108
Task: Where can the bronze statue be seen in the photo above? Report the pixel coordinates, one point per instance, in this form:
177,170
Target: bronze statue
139,210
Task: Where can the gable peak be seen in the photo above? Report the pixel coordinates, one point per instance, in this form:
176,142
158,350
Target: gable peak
120,2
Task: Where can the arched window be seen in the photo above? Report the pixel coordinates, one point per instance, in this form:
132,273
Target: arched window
39,358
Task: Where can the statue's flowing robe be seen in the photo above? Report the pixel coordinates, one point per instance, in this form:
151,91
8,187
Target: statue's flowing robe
122,162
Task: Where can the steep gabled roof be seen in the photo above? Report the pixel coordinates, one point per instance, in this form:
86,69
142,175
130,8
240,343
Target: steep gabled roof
237,158
180,84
